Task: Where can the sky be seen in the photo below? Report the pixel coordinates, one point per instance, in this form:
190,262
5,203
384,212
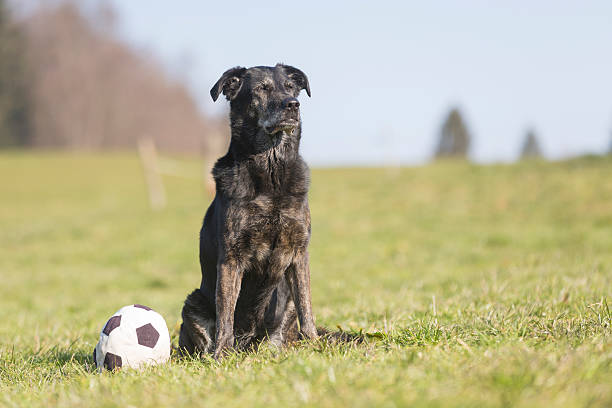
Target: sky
385,74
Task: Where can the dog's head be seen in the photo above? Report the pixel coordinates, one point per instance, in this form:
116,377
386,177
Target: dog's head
267,96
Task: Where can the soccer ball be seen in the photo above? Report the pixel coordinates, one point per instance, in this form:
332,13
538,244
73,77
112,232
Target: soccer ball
134,336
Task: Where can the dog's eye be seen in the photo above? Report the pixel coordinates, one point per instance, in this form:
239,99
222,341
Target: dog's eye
289,85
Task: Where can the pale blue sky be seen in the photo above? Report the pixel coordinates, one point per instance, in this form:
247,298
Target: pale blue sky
384,74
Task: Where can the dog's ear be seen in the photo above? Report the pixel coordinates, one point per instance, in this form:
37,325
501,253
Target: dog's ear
229,83
298,76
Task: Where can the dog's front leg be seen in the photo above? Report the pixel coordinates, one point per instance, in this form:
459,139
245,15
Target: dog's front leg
298,276
227,290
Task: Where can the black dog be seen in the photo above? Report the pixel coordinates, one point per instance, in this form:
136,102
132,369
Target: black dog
254,240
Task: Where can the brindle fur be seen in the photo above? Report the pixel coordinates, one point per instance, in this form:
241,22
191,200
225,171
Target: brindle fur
254,240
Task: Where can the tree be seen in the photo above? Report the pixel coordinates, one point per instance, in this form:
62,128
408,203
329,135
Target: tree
454,137
14,101
531,148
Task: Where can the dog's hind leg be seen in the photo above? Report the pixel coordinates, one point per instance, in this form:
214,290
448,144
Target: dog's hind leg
198,328
286,331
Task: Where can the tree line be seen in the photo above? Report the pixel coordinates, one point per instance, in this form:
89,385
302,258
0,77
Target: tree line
67,81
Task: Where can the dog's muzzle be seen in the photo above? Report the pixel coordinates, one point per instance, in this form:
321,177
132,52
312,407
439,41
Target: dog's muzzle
286,120
286,125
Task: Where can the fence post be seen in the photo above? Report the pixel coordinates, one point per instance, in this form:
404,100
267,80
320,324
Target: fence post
148,157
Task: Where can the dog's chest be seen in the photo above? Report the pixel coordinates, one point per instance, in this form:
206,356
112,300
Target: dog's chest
269,229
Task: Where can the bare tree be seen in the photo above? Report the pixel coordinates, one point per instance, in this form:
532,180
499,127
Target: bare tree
14,101
454,137
531,148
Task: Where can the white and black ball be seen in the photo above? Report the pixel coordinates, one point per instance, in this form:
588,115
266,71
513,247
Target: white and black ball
133,337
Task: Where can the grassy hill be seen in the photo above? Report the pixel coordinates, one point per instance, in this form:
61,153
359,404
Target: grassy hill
481,285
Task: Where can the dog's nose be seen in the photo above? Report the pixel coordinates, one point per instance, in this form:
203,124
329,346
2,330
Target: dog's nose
291,103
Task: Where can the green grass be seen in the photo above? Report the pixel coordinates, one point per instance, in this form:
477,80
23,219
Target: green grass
481,286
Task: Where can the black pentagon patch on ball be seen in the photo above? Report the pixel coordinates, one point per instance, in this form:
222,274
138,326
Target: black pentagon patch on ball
142,307
112,361
94,356
147,335
112,324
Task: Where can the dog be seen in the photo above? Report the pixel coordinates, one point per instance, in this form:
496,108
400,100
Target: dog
254,239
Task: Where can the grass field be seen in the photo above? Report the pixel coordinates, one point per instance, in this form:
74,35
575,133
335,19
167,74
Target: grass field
482,286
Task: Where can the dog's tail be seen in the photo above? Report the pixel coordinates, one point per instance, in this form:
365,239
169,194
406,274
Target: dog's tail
326,335
340,336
